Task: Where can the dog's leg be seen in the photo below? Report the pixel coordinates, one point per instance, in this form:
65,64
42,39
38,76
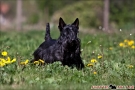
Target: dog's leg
37,55
79,63
47,35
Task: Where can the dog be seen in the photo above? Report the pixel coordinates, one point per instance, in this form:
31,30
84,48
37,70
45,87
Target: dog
65,49
112,86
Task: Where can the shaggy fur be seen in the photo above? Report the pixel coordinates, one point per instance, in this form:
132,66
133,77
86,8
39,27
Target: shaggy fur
65,49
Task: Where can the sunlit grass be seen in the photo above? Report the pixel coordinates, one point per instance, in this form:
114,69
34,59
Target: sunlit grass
108,59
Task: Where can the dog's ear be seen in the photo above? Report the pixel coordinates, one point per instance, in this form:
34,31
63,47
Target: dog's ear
76,22
61,24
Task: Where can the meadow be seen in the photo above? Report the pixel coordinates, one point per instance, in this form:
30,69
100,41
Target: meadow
108,58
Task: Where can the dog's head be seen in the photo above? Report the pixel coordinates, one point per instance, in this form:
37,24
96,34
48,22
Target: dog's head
69,32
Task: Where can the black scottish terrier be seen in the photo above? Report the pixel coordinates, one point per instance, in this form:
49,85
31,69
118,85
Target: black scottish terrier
112,86
65,49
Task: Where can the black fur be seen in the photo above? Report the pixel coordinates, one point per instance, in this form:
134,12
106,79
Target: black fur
65,49
112,87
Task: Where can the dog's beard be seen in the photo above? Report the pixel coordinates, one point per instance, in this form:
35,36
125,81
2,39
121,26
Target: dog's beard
71,45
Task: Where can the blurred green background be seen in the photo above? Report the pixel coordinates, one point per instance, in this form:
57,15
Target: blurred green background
36,13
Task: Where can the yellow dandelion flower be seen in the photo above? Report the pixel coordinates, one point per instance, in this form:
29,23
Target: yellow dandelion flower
133,47
90,64
36,62
2,64
42,61
93,60
130,43
22,63
4,53
94,72
99,56
26,61
7,62
8,59
0,59
110,48
130,66
125,41
122,44
14,60
3,60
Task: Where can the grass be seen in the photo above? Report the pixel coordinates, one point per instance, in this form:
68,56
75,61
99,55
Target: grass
113,68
